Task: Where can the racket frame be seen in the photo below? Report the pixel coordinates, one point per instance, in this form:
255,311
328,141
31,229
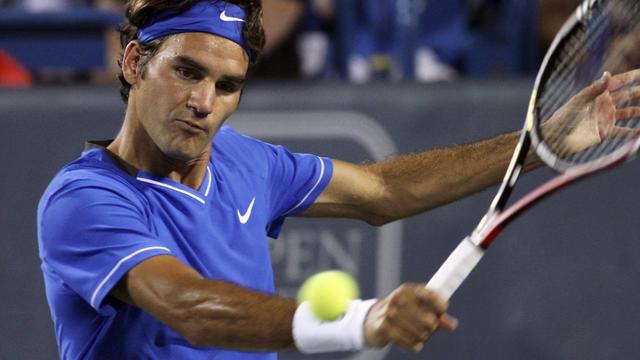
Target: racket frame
470,250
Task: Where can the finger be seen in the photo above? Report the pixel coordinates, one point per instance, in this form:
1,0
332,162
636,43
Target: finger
413,338
595,89
448,322
625,95
415,320
624,79
407,340
621,132
432,300
628,113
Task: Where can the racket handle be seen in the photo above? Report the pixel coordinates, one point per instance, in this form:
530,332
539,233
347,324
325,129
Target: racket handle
456,268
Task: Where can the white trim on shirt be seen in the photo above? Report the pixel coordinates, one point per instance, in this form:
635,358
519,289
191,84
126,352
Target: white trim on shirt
115,268
153,182
206,192
199,199
310,191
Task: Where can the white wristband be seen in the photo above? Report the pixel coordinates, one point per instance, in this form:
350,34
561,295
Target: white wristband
312,335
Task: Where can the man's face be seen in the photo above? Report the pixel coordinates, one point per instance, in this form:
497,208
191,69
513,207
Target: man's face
190,87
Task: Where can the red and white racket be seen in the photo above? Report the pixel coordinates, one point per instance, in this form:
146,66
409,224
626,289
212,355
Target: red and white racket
579,121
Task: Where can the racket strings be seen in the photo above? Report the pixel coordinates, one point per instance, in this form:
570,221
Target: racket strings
581,59
629,11
563,81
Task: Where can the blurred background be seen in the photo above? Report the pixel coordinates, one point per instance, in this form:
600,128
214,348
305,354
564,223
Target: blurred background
74,41
359,80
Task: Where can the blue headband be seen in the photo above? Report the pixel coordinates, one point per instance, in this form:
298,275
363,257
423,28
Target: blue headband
215,17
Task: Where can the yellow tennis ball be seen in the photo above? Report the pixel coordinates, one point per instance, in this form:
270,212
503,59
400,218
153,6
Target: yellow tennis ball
329,293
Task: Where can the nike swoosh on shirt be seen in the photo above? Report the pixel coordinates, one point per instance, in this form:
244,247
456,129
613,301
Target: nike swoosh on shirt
224,17
245,217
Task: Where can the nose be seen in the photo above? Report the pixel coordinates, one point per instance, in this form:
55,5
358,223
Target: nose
201,100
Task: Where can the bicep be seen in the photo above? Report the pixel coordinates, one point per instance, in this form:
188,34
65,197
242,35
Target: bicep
152,284
207,312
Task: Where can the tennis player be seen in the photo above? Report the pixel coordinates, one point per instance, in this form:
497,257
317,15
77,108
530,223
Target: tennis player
154,244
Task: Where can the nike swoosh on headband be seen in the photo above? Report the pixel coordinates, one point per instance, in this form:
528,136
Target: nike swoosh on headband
217,17
224,17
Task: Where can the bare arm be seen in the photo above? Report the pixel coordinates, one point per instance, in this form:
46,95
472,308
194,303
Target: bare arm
382,192
216,313
280,18
206,312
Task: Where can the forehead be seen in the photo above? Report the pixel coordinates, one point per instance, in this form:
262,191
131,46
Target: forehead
209,50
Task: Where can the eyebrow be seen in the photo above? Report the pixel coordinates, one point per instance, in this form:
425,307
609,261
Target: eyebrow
189,61
186,60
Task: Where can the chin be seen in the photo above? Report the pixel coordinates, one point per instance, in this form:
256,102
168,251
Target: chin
183,155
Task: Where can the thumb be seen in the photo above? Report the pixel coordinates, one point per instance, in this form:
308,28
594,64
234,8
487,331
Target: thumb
594,90
448,322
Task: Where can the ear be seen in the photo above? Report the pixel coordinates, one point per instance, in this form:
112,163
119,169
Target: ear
130,62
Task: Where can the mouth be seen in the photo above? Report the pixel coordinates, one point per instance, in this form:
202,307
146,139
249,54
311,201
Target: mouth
190,126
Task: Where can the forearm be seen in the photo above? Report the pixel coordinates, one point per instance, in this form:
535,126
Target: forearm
382,192
280,18
418,182
208,312
224,315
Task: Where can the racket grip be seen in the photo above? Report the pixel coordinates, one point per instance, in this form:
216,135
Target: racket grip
456,268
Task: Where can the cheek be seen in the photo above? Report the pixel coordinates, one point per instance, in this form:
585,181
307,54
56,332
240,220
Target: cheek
164,97
230,104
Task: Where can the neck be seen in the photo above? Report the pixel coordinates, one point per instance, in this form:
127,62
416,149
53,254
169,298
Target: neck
134,147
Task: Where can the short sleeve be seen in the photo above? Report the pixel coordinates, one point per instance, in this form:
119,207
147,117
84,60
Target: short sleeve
91,233
297,180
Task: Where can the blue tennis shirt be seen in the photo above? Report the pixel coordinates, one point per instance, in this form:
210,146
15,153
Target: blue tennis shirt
96,221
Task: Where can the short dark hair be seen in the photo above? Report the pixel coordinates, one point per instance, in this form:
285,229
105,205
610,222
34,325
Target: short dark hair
140,12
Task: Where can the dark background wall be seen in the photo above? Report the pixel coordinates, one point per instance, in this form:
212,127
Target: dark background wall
560,283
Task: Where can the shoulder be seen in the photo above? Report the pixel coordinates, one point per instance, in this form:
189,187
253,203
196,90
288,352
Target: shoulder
91,175
228,137
241,149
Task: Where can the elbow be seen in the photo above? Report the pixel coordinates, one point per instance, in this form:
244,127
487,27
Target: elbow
381,212
378,218
195,338
195,332
184,315
385,205
375,222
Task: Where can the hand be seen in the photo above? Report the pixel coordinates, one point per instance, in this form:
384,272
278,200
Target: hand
624,49
591,115
407,317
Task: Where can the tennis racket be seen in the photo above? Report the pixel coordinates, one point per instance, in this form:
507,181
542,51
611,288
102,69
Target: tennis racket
583,117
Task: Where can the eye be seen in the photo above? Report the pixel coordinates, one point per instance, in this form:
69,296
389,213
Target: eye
227,86
185,73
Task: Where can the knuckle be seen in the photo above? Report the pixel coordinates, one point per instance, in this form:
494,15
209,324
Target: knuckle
408,287
429,320
402,288
393,313
427,324
432,294
396,301
385,329
436,303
